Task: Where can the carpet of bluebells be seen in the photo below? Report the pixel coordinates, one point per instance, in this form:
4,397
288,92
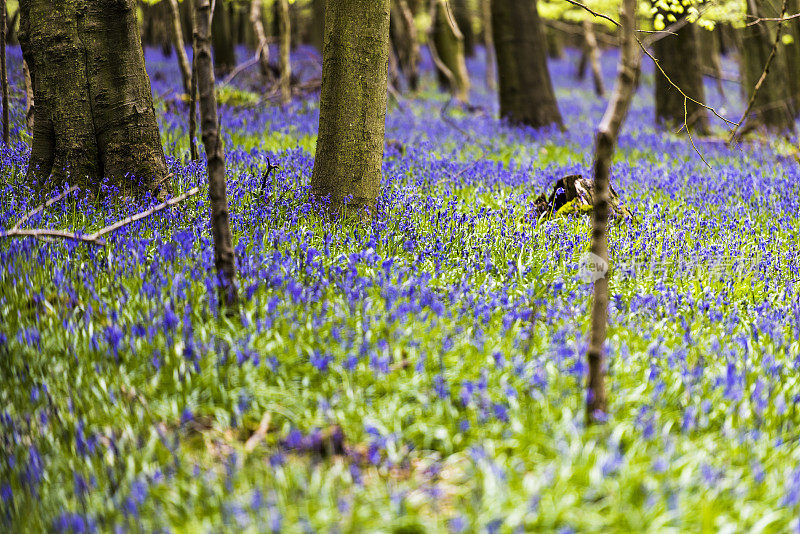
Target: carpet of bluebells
422,373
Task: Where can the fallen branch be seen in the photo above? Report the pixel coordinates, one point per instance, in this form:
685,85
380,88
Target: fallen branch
43,206
762,78
95,238
260,433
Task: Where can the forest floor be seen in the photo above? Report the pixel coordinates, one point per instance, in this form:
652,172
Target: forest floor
424,373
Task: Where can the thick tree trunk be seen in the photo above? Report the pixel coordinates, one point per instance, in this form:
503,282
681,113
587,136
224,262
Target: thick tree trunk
256,19
405,42
448,47
593,53
285,46
94,113
773,106
462,15
607,133
488,43
222,39
526,91
180,47
4,73
679,55
224,260
347,167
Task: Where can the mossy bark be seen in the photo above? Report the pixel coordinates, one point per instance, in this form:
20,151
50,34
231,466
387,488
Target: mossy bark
94,113
449,47
347,167
222,38
526,91
773,107
679,56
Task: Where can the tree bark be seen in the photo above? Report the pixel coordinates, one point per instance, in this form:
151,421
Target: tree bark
710,57
679,56
94,113
29,102
256,19
285,46
772,107
347,167
448,45
593,52
607,133
793,54
180,47
317,23
488,43
526,91
224,260
406,42
463,19
222,39
4,73
555,45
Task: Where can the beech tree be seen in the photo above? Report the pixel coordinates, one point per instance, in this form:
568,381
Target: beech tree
678,53
773,106
352,110
94,113
526,91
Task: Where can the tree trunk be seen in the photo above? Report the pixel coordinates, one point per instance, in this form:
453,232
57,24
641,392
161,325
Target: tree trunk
772,107
607,133
709,54
285,46
224,260
526,92
793,54
222,39
317,30
448,47
488,43
678,56
256,19
593,53
555,45
405,41
94,113
4,73
29,102
463,19
352,115
180,47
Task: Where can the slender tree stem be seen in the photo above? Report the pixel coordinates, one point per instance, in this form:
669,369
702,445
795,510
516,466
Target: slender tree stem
224,260
607,133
